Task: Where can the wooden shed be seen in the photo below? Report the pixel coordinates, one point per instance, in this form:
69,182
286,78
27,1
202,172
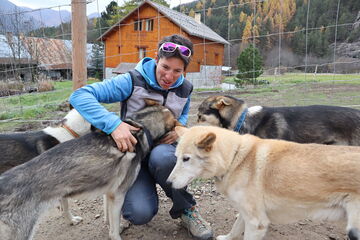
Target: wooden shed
137,34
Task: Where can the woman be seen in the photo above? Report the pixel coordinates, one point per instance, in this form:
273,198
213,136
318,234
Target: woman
160,79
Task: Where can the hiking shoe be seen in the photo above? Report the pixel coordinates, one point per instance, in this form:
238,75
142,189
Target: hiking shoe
195,224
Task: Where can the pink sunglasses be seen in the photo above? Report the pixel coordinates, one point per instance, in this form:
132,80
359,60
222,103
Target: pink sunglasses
171,47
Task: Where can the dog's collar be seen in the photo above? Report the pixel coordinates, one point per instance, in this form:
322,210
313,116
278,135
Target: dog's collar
241,121
72,132
148,137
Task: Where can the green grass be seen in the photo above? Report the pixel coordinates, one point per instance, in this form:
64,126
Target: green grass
295,78
206,89
35,105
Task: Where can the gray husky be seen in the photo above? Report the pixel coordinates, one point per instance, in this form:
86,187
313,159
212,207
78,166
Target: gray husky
18,148
86,166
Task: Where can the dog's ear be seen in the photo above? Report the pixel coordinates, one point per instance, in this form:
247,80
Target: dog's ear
221,102
206,141
181,130
151,102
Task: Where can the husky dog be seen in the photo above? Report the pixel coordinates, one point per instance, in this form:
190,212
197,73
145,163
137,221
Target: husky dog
18,148
89,165
271,180
308,124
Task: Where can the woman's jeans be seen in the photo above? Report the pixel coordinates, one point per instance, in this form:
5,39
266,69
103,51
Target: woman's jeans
141,201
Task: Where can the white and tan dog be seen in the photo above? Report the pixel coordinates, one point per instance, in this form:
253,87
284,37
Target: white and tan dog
272,180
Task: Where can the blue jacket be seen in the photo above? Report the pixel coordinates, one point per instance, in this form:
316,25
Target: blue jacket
86,100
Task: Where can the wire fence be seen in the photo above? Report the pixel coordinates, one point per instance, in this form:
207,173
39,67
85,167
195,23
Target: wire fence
36,47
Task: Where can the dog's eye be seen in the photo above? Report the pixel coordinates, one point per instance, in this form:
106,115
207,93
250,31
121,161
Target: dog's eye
185,159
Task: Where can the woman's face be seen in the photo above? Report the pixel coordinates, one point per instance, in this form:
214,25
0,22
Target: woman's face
168,70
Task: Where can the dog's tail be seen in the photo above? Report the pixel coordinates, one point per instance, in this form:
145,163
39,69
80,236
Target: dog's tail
354,234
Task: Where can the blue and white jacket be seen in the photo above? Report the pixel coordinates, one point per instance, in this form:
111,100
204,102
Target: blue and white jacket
86,100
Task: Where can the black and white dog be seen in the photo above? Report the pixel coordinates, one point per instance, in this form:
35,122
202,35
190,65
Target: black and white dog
303,124
81,167
18,148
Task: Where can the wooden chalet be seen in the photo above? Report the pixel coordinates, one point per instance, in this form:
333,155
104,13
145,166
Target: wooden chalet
137,34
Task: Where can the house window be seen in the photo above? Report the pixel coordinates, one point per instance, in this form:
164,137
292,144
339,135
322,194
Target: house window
138,25
142,52
149,24
144,25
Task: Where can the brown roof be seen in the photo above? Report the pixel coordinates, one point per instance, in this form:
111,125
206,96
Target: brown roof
50,53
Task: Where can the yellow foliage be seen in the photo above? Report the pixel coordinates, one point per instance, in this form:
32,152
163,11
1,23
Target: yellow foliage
209,12
242,17
192,13
247,31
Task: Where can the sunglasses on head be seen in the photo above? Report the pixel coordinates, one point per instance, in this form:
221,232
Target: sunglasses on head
171,47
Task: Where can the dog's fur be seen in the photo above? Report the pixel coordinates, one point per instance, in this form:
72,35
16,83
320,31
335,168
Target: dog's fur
89,165
271,180
323,124
18,148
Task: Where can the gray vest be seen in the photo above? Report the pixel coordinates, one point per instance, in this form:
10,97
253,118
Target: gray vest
174,99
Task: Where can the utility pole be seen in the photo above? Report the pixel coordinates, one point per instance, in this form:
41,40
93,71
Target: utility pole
78,37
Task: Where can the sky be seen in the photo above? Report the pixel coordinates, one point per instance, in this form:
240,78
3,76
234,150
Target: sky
92,6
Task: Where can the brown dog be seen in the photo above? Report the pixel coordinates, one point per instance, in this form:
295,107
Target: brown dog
272,180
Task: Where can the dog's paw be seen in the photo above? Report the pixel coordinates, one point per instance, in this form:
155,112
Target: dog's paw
124,224
75,220
223,237
114,237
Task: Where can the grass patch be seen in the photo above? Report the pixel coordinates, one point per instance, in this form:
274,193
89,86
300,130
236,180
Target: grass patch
35,105
295,78
206,89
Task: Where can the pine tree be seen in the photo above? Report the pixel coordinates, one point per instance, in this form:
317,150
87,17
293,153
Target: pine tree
97,55
250,65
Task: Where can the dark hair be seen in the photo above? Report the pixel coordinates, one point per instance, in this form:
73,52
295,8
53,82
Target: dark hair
178,39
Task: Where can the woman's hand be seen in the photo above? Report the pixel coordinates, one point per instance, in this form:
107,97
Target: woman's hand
123,138
169,138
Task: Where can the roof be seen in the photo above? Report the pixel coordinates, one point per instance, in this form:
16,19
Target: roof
124,67
186,23
5,47
51,54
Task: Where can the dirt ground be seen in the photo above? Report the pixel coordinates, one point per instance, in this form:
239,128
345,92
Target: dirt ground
213,206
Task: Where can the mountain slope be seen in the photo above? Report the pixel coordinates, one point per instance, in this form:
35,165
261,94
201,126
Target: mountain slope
33,18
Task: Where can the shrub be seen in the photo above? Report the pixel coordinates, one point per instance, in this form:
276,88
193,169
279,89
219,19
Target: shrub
11,88
45,85
250,66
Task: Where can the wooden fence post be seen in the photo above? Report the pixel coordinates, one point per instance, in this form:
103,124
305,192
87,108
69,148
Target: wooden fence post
79,37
